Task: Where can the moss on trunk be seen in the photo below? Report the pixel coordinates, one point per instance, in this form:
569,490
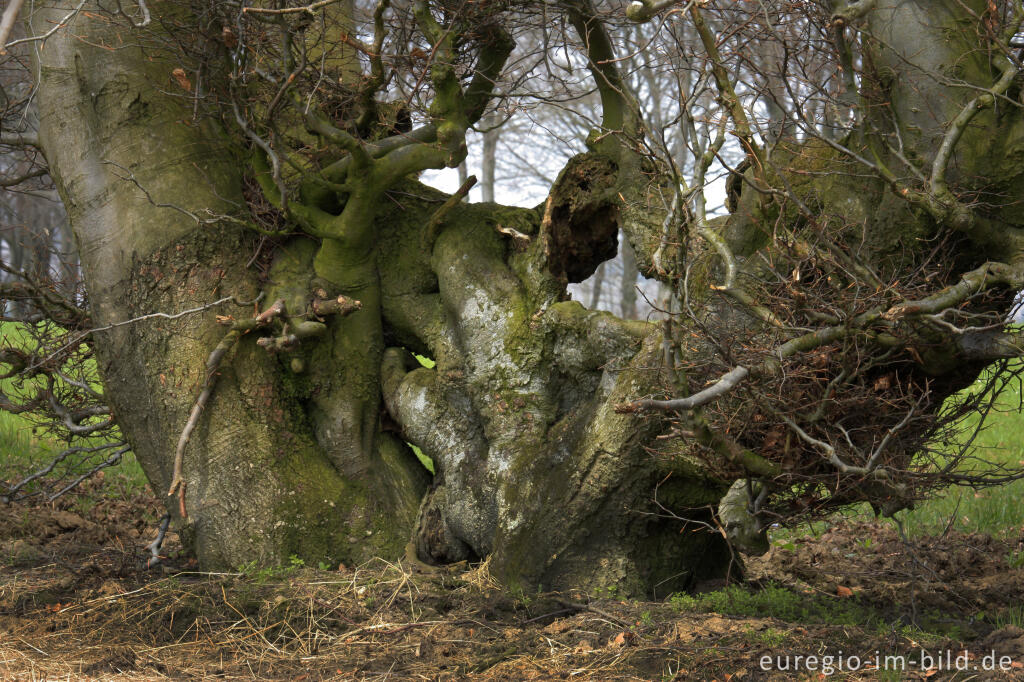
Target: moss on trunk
266,477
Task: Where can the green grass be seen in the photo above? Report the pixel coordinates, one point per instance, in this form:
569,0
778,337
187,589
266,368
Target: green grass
775,601
1011,615
18,444
807,607
995,511
992,510
20,448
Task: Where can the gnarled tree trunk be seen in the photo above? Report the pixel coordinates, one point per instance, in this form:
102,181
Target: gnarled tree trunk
537,465
293,454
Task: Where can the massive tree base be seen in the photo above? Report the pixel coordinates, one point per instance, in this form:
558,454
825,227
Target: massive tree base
299,269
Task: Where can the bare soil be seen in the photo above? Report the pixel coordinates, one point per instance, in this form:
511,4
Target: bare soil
76,603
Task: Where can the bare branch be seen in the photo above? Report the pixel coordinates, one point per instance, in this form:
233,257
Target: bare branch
143,9
433,227
830,451
726,90
24,139
987,276
619,109
306,9
42,38
729,286
114,459
11,492
212,365
81,336
342,305
975,281
73,422
937,181
12,182
724,385
642,11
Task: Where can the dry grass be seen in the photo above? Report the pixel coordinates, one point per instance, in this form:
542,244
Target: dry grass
377,621
75,605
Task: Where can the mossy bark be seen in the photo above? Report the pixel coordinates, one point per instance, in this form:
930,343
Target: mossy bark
292,454
267,475
535,469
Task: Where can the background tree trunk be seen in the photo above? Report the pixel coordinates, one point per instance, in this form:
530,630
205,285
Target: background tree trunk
489,156
627,287
597,284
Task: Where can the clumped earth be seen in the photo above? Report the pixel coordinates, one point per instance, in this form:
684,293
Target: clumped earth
77,603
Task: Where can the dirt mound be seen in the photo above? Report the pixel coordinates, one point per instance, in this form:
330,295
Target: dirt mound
77,524
946,580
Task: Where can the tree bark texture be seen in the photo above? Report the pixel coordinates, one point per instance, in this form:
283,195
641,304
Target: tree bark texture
304,451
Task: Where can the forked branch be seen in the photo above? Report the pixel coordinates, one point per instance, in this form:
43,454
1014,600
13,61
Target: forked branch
971,283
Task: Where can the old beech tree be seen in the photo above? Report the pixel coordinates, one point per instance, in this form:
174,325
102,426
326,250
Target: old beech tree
269,152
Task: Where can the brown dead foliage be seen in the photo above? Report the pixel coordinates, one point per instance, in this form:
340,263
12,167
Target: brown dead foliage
950,578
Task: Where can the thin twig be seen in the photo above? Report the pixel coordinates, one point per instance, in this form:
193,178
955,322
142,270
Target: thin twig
59,25
142,318
725,384
308,9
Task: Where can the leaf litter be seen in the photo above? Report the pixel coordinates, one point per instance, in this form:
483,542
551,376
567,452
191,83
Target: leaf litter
76,603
